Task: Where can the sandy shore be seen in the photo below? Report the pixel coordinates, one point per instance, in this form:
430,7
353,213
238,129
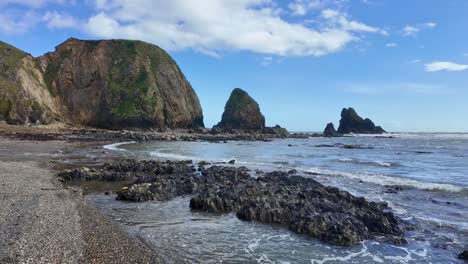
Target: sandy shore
41,221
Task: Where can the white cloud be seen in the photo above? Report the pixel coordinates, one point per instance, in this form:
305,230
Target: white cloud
13,22
301,7
444,66
338,19
58,20
391,45
410,30
214,26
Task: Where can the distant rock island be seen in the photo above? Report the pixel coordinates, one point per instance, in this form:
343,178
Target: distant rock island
241,112
352,123
103,83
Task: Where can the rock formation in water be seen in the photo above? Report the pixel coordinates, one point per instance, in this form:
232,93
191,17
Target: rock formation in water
241,112
298,203
330,131
108,83
351,122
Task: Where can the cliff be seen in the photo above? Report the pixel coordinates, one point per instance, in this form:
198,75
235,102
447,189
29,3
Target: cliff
24,97
108,84
351,122
241,112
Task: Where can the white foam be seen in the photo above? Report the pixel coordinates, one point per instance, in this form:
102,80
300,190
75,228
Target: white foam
346,258
166,155
115,146
382,179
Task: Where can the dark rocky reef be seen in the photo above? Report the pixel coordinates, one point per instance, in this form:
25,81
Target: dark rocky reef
351,122
330,131
110,84
464,255
301,204
241,112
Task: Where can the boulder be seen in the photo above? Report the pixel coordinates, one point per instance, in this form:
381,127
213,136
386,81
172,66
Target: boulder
352,123
241,112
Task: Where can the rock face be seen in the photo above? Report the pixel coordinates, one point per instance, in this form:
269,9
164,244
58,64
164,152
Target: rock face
351,122
24,97
301,204
330,130
108,84
241,112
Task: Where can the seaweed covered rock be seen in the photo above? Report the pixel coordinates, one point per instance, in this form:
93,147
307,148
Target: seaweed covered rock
125,170
302,204
241,112
351,122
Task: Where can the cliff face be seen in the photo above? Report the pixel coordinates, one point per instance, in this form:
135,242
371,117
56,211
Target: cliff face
24,97
112,84
330,130
351,122
242,112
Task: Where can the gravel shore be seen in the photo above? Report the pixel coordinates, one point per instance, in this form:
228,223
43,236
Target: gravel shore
41,221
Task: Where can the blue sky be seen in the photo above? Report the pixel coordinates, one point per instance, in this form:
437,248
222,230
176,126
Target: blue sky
404,64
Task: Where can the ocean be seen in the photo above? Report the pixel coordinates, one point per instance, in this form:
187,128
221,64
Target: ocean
422,176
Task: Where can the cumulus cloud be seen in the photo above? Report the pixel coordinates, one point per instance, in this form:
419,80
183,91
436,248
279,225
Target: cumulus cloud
444,66
214,26
59,20
301,7
14,22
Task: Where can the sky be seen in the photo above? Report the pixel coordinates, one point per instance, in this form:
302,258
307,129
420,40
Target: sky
404,64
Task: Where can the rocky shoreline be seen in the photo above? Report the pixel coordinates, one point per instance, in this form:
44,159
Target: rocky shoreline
301,204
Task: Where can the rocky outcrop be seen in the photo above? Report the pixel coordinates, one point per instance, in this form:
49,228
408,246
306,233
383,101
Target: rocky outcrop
277,131
301,204
330,131
351,122
108,84
241,112
24,97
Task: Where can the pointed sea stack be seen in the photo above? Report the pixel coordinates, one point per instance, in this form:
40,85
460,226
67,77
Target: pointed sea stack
351,122
330,131
241,112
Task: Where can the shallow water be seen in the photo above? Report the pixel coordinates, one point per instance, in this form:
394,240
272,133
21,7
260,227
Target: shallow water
432,168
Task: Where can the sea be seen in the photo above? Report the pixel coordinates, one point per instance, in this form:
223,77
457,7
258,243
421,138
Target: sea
422,176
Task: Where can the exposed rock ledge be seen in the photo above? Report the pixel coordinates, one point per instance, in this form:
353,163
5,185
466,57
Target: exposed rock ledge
301,204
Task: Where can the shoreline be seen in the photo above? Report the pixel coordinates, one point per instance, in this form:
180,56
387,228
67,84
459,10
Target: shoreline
45,221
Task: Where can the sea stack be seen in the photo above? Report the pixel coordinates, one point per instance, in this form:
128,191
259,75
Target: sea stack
330,130
351,122
104,83
241,112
